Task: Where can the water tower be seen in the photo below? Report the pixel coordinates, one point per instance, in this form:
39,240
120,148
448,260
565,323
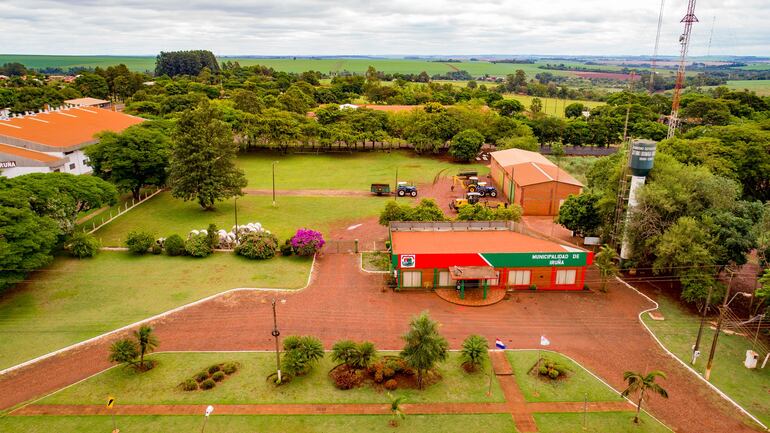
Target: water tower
640,162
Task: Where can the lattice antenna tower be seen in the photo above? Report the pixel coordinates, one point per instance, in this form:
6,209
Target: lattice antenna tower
655,51
684,40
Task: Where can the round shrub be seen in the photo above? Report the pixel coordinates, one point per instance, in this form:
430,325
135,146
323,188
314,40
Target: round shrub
391,384
174,245
214,368
82,245
230,367
198,245
307,242
201,376
346,379
208,384
218,376
257,245
189,385
139,242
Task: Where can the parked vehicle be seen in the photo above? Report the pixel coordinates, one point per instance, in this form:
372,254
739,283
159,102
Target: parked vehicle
484,189
404,189
474,198
380,188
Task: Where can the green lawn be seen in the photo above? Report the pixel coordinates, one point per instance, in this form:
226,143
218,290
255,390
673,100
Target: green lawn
608,422
165,215
375,261
577,166
248,386
574,388
496,423
73,300
551,106
749,388
353,171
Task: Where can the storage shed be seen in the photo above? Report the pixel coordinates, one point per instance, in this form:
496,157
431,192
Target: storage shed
532,181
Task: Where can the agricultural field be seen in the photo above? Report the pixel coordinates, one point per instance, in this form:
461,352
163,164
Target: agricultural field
677,332
73,300
551,106
761,87
345,171
135,63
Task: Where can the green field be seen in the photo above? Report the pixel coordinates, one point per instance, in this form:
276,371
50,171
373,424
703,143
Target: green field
608,422
73,300
578,383
249,384
761,87
551,106
345,171
165,215
748,387
577,166
497,423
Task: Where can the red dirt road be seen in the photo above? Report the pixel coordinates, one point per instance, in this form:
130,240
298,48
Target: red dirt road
600,331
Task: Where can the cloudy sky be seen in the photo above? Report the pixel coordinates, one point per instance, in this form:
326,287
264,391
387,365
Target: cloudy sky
352,27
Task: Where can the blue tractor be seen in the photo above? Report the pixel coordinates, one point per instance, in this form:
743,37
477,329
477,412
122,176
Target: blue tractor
486,190
404,189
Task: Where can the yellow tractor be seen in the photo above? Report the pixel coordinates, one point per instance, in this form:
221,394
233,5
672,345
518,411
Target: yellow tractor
474,198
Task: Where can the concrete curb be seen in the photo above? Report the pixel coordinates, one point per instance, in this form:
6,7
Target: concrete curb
684,364
156,317
361,264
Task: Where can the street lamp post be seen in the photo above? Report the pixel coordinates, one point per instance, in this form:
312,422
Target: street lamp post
274,163
236,219
276,333
208,412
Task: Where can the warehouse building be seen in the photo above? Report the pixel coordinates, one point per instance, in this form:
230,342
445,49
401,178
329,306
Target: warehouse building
532,181
482,255
53,140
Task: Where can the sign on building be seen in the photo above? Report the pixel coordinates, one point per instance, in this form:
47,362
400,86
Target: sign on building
7,164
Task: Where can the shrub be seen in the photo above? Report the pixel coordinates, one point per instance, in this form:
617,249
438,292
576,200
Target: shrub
198,245
218,376
214,368
189,385
213,235
307,242
474,352
230,368
156,249
391,384
301,353
174,245
208,384
257,245
139,242
82,245
201,376
286,249
552,369
346,379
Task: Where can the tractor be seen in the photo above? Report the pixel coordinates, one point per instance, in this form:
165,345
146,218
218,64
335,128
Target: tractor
474,198
484,189
404,189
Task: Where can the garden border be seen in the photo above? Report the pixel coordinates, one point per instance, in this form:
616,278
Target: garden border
361,263
684,364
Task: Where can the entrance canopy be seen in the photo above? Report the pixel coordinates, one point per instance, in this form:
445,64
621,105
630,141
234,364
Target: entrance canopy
472,273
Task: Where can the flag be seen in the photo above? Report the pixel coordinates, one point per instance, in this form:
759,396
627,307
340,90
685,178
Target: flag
499,343
544,341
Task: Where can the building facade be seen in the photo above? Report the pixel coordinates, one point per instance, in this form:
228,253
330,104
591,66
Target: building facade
435,255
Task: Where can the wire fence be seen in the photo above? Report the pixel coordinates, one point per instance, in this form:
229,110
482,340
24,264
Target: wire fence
122,209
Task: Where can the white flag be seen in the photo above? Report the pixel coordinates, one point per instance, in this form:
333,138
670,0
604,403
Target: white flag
544,341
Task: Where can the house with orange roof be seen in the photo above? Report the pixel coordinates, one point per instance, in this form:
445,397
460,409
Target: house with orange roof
486,255
532,181
53,140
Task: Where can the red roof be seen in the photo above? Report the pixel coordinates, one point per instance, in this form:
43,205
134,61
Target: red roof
26,153
530,168
465,242
68,127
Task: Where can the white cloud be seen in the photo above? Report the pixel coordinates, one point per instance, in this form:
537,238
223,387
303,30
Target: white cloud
314,27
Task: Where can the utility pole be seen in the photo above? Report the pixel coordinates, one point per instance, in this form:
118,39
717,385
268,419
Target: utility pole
276,333
236,219
696,347
722,310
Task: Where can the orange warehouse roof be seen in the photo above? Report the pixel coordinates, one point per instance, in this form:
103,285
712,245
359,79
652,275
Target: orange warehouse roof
68,127
470,242
26,153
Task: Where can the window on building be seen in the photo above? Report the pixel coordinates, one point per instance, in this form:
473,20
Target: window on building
444,280
566,276
494,281
519,278
411,279
72,166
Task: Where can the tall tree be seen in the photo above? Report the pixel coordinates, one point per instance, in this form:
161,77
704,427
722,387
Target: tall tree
466,145
202,165
92,85
643,384
425,347
146,341
606,263
135,158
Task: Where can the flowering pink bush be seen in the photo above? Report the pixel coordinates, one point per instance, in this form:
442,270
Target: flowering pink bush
307,242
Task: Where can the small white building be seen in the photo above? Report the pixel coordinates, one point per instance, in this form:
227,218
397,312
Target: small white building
88,102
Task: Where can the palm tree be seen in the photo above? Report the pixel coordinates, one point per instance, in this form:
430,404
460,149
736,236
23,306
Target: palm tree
147,342
364,355
344,351
474,351
395,409
605,261
638,382
425,347
124,352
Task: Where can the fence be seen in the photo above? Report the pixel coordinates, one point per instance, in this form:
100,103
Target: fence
341,246
121,210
